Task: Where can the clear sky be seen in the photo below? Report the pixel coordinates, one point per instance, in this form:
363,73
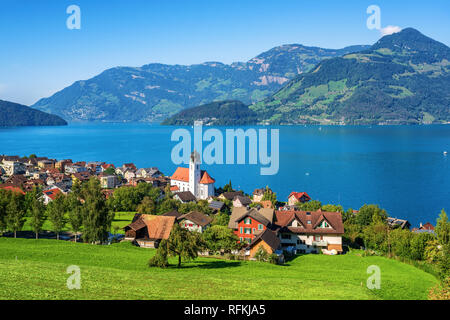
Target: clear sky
39,55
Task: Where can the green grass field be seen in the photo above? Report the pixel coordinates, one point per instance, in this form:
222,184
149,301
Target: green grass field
31,269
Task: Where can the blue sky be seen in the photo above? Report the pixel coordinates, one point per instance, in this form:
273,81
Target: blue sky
40,56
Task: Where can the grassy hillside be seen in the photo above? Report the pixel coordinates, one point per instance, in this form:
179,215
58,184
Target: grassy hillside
31,269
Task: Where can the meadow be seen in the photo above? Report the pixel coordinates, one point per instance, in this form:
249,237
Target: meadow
36,269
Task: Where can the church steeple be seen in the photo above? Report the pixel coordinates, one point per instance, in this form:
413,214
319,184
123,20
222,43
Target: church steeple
194,173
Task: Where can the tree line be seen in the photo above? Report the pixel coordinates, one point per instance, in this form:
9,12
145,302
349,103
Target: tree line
84,209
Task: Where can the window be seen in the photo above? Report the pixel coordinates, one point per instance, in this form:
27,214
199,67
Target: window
248,221
317,238
309,221
254,230
260,227
247,230
241,231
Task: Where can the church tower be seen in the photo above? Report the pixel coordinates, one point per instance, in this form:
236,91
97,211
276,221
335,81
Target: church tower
194,173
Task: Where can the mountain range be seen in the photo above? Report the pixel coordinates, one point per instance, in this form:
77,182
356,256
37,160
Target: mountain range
13,114
154,92
404,78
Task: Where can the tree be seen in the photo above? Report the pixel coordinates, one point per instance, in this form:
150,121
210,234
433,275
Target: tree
221,219
110,171
97,218
36,211
443,228
333,208
366,213
261,254
419,244
55,212
147,206
312,205
181,243
74,213
375,235
160,259
217,238
167,205
269,195
15,214
4,200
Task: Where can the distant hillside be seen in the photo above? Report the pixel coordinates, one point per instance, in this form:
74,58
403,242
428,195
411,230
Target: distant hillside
155,91
13,114
220,113
404,78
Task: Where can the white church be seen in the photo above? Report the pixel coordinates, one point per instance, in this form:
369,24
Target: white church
192,179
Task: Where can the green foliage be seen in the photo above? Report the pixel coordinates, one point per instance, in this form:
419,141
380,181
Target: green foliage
312,205
333,208
128,198
443,228
261,254
215,113
15,213
56,214
96,216
74,211
147,206
182,244
221,219
110,171
366,214
270,195
220,238
36,210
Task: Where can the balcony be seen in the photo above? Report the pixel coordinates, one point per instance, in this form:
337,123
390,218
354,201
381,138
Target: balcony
320,243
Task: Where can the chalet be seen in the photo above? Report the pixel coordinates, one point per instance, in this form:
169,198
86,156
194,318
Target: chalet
229,195
192,179
398,223
250,224
309,232
50,195
184,196
195,221
129,174
241,201
267,239
148,230
295,197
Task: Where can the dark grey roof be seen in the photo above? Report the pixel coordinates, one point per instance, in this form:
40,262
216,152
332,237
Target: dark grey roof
232,194
218,205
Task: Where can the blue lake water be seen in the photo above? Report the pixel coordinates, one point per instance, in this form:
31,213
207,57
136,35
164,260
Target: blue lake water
401,168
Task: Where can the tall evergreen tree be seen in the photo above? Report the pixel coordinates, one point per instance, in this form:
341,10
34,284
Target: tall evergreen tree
55,212
36,210
74,213
15,213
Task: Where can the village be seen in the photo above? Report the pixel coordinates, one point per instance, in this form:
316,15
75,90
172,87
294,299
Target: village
259,222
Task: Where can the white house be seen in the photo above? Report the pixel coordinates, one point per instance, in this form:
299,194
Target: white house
192,179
